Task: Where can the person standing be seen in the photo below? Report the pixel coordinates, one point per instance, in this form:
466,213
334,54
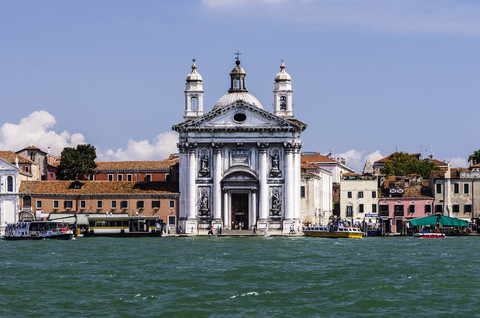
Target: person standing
254,228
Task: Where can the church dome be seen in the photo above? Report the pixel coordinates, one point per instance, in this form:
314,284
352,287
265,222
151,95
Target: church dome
230,98
194,76
282,76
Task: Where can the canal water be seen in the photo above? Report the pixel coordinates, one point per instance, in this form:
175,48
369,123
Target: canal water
241,277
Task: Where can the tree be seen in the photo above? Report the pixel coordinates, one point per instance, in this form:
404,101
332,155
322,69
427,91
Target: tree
402,164
77,163
475,157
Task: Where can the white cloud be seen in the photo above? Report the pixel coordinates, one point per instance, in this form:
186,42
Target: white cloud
162,146
458,162
37,130
356,159
393,16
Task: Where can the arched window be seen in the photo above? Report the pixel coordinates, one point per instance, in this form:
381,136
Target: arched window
283,102
194,103
10,184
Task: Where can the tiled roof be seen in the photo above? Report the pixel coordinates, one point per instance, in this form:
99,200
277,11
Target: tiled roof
32,148
136,165
10,157
308,165
316,158
98,187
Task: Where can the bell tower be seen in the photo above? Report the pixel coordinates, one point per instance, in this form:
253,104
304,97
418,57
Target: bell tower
282,94
193,94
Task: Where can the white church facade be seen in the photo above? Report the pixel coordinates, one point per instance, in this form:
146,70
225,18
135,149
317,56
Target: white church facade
239,163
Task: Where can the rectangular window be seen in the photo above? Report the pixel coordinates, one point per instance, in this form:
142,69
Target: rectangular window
55,204
172,204
302,191
349,194
374,208
428,208
129,177
156,204
467,208
360,208
119,177
99,204
411,208
91,177
124,204
67,204
456,208
360,194
114,204
83,204
374,194
384,208
456,188
439,188
438,208
349,211
466,188
39,204
140,204
172,220
148,178
110,177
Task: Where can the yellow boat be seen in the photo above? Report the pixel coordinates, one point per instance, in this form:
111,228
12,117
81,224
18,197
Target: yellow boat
336,229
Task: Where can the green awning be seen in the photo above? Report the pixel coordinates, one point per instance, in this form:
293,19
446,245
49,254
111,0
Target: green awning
444,220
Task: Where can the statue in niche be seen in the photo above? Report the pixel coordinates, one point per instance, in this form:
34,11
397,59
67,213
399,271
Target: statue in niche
204,204
275,170
276,204
204,170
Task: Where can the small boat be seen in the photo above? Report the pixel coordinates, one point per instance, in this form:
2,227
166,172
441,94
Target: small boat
429,235
334,229
124,226
38,230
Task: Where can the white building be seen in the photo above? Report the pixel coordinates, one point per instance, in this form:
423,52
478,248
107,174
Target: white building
239,163
9,196
336,166
359,198
315,195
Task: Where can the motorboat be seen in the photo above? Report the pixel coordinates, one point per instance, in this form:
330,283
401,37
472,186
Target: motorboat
334,229
37,230
429,235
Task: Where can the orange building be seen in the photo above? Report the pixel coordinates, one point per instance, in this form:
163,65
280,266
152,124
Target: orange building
165,170
100,197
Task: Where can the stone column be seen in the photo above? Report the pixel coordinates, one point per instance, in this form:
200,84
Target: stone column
226,217
191,224
263,205
253,219
289,182
183,206
217,191
297,174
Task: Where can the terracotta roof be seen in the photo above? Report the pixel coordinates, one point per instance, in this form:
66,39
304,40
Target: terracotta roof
32,148
98,187
308,165
316,158
10,157
136,165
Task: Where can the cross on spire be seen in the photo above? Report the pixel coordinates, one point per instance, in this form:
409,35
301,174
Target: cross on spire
237,54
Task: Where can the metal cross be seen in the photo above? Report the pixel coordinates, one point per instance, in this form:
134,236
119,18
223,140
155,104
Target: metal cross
237,54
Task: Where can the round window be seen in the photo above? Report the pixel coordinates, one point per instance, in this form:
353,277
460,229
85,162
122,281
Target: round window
239,117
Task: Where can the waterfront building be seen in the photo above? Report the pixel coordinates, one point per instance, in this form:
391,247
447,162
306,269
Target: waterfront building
9,195
359,198
457,193
239,163
315,195
164,170
402,199
40,198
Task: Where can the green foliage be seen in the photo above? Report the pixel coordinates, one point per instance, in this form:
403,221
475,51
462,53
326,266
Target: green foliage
77,163
402,164
475,157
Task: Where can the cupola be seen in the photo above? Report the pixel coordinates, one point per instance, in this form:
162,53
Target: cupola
193,94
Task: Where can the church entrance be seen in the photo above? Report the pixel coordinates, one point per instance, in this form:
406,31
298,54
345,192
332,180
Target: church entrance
239,211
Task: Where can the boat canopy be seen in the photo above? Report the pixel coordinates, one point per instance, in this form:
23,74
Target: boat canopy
444,220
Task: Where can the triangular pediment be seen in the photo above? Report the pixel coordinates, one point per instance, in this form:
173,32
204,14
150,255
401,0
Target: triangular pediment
241,116
5,165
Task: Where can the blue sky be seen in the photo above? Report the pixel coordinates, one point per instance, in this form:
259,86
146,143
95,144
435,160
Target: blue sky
369,77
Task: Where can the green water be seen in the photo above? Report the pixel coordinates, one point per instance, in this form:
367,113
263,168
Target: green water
241,277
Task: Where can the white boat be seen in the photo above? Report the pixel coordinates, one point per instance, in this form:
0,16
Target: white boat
124,226
334,229
38,230
429,235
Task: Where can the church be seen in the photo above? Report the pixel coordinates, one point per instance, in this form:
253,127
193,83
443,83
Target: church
239,163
